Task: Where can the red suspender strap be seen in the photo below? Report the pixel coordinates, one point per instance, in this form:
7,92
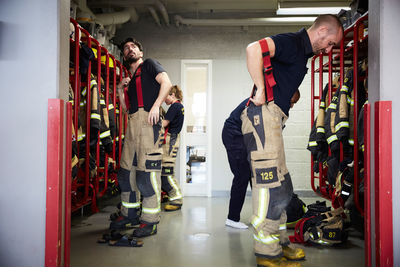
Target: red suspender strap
139,92
268,75
165,134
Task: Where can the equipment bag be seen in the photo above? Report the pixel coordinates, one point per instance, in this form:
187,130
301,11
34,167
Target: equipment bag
323,229
295,210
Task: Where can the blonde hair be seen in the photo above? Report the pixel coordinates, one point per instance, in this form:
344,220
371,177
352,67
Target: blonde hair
177,91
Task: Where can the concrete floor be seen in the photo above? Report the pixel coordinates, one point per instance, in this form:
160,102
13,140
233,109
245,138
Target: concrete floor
196,236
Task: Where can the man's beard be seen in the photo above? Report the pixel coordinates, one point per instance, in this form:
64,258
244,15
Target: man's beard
131,60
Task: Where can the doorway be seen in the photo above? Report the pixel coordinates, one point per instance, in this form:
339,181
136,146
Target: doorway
195,152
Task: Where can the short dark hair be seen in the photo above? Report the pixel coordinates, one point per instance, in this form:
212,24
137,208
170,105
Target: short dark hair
332,21
132,40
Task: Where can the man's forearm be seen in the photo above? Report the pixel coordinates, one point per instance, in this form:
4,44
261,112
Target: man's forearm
255,65
165,86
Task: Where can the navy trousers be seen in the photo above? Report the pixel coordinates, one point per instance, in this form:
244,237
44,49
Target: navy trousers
240,167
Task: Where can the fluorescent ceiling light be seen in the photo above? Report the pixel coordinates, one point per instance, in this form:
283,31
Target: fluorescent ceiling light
309,10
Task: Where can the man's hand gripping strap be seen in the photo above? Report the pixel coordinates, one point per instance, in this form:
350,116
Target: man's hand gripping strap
269,79
268,75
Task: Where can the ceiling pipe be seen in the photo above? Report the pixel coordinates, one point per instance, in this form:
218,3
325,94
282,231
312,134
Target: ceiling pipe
108,18
154,14
85,14
134,14
288,21
163,11
113,18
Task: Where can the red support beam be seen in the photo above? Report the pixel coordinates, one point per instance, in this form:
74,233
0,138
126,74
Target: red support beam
67,212
54,182
383,184
367,186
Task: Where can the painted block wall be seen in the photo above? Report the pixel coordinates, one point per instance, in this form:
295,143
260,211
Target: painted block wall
231,83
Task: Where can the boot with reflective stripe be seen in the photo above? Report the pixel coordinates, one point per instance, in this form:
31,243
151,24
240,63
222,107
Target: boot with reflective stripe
145,230
292,253
276,262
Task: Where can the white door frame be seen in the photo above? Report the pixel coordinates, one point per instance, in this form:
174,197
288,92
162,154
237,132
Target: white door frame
182,147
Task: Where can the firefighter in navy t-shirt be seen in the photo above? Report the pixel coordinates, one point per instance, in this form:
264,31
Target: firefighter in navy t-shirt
141,158
172,123
262,123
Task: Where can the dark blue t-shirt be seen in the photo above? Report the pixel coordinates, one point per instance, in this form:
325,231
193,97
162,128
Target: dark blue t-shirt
175,115
292,51
150,87
234,123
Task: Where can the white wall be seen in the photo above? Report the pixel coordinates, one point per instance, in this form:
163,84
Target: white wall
30,35
225,46
384,21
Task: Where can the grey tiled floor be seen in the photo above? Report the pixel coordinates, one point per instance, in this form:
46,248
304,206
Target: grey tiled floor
193,237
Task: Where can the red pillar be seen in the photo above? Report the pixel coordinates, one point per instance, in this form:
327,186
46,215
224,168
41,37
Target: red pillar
383,184
55,123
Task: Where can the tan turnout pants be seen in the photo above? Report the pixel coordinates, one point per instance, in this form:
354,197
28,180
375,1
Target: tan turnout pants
141,157
272,186
168,181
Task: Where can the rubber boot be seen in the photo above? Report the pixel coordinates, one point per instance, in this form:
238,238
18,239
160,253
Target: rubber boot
122,223
172,207
293,254
145,230
276,262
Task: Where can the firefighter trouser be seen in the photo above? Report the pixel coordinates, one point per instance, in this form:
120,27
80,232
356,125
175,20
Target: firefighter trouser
237,157
168,181
141,156
272,185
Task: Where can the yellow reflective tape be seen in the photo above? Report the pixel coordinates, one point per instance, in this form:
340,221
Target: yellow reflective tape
312,143
84,91
153,180
341,124
320,130
322,105
362,148
270,239
81,136
95,116
105,134
344,88
282,226
102,102
332,106
93,83
332,138
351,142
174,186
262,207
151,211
111,106
130,205
350,101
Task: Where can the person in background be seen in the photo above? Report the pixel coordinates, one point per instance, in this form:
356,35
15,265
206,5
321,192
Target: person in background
172,124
